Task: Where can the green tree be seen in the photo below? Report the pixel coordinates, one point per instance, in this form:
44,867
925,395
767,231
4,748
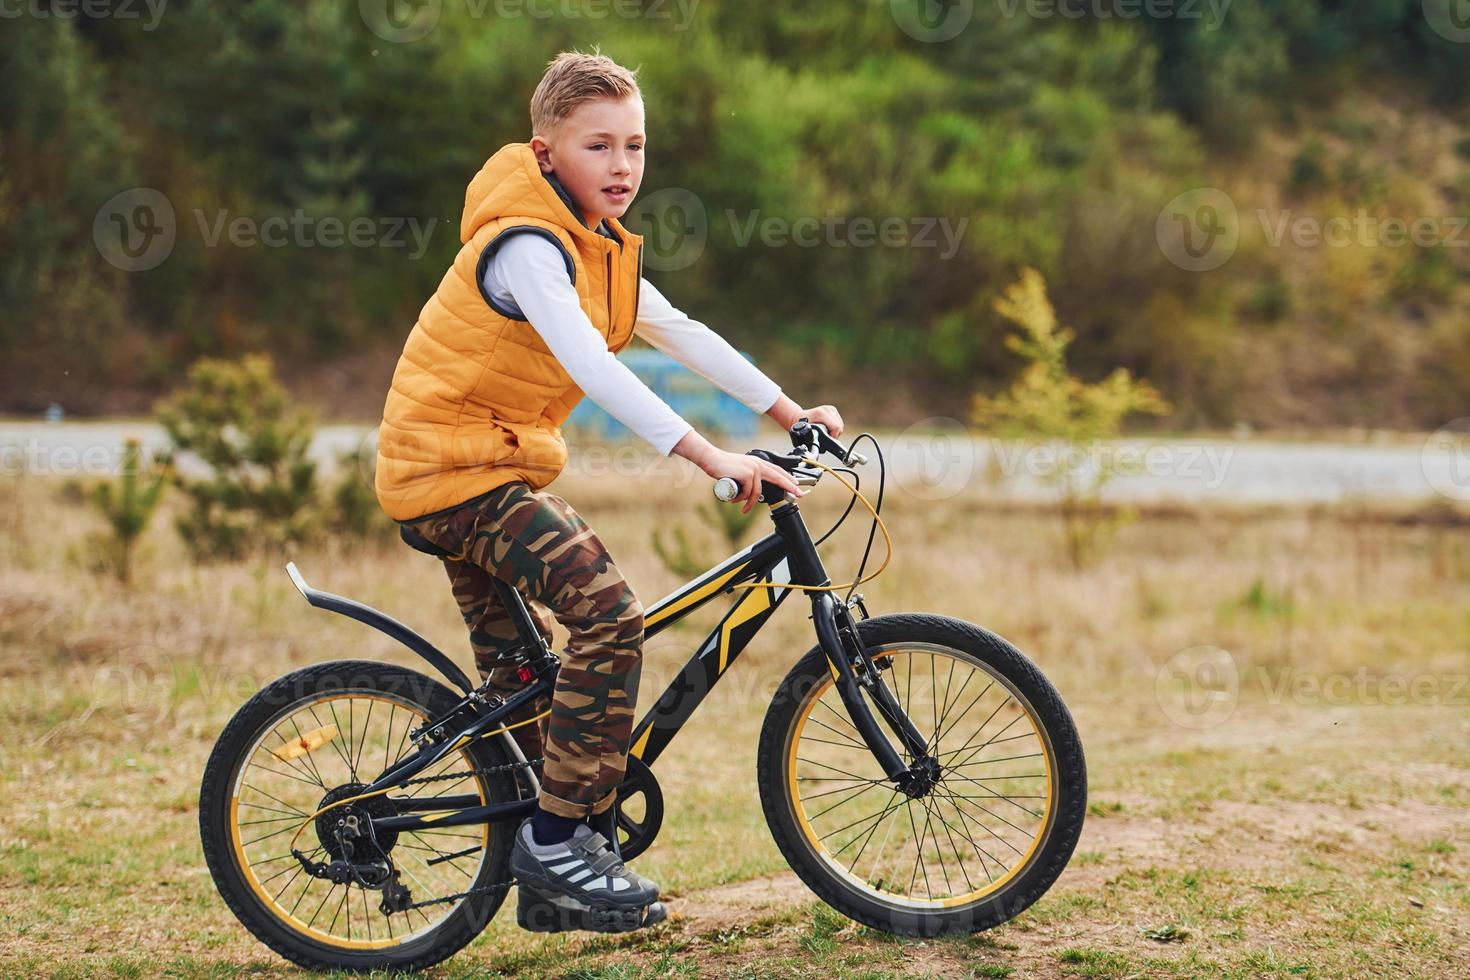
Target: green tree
128,506
1047,402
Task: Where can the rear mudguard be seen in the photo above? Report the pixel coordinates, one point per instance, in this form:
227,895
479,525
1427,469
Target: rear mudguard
386,624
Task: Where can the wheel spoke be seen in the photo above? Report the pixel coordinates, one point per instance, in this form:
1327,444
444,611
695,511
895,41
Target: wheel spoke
853,741
282,795
835,769
901,851
843,802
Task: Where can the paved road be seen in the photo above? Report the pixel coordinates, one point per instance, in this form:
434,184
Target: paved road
931,463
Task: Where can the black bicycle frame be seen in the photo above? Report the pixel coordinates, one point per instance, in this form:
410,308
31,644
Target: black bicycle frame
787,555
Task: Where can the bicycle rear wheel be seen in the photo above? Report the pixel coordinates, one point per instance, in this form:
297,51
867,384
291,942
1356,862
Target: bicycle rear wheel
289,766
1001,814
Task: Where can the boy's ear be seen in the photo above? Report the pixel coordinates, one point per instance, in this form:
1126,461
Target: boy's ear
542,150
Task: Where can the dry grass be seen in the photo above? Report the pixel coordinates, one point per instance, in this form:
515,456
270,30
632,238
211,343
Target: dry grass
1321,829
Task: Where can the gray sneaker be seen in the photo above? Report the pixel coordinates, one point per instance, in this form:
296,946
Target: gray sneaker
604,824
583,868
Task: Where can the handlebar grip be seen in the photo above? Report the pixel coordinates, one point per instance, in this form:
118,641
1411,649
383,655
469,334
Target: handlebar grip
727,489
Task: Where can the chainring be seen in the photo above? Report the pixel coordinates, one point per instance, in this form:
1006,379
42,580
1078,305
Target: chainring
635,835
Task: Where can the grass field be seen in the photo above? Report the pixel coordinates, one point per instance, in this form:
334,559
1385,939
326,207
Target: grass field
1317,824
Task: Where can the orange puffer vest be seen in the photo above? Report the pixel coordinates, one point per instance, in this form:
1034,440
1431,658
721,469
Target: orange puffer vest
477,399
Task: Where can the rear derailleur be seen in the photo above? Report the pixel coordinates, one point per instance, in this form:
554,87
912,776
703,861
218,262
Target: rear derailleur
349,837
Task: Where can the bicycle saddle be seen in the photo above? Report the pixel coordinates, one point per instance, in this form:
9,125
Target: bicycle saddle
418,542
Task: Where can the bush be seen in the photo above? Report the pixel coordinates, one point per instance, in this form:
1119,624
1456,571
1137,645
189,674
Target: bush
235,417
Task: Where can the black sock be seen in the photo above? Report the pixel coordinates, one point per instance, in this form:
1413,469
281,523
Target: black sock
551,828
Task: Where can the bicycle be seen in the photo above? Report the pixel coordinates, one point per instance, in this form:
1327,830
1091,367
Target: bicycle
420,808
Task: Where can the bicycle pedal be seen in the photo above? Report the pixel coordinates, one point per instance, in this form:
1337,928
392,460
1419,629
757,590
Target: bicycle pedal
538,911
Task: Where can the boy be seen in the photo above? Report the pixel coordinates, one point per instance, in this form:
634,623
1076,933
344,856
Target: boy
546,289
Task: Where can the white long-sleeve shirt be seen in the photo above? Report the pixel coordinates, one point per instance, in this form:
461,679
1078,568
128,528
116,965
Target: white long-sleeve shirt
528,275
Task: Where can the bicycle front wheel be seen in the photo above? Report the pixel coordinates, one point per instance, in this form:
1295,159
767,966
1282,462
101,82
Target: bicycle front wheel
997,819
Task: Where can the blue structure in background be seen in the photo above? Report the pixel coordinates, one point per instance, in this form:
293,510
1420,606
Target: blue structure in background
698,401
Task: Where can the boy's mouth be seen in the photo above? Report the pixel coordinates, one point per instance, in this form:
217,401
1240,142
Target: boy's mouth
617,193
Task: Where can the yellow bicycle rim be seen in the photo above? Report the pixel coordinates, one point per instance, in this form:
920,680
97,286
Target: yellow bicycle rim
319,741
993,805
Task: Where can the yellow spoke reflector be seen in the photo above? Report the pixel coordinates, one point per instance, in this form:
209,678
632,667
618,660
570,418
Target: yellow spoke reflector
309,742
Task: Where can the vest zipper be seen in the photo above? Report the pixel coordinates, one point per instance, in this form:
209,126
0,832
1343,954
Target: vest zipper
638,288
612,321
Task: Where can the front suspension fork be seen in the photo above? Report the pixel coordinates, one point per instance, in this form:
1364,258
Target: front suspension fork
841,656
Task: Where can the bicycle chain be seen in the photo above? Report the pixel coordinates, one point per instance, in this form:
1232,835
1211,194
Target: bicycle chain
499,886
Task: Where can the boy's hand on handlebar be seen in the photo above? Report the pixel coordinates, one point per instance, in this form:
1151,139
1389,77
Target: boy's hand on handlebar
825,414
749,471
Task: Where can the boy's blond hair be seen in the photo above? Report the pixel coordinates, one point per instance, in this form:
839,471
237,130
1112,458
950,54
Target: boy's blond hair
573,78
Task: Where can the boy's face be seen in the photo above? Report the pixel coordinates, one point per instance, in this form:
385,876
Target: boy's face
597,154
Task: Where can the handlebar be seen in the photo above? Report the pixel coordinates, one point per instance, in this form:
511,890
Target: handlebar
808,440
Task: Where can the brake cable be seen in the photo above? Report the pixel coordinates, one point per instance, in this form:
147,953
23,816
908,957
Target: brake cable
878,508
887,544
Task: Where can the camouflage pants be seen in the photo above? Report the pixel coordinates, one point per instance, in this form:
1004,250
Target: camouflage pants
536,542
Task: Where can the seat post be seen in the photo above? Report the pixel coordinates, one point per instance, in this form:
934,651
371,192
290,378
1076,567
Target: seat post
515,604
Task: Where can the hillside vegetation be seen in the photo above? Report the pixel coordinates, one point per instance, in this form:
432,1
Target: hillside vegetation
1027,139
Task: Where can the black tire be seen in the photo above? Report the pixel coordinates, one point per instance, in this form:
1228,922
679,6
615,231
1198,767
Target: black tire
853,895
244,734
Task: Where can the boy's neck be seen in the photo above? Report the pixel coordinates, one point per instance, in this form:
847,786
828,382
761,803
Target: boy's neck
583,216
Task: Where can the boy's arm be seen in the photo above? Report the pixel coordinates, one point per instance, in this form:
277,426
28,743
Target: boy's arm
706,353
532,271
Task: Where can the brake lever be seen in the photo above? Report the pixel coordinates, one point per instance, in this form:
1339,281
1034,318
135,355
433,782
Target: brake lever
825,443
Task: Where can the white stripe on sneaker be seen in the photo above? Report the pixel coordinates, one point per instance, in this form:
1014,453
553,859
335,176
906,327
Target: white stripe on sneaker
564,868
578,876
